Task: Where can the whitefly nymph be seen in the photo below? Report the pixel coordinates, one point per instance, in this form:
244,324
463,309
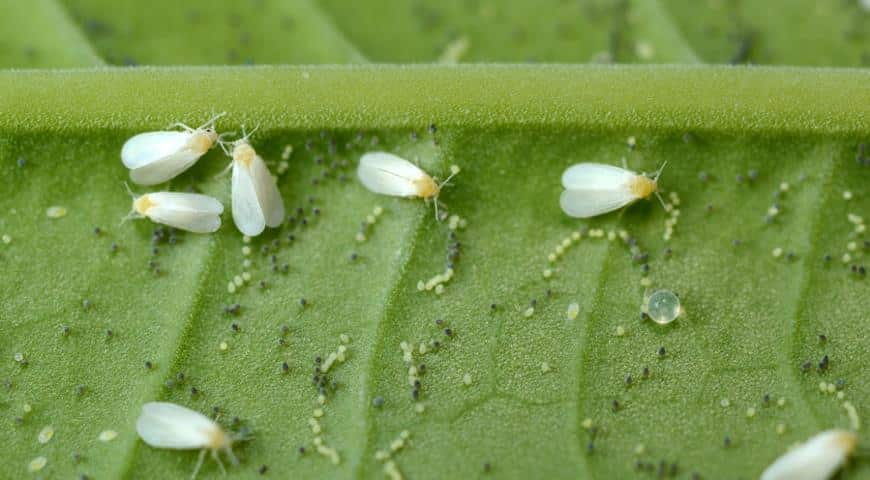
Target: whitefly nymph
156,157
171,426
593,189
818,458
388,174
192,212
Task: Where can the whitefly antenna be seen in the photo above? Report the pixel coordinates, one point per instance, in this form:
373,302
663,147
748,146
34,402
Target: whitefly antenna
659,172
210,122
247,135
133,213
454,170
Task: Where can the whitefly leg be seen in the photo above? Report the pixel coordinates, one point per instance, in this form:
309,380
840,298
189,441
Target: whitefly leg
198,464
214,455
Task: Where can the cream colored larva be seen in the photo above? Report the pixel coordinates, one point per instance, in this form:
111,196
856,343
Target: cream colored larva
593,189
816,459
155,157
257,203
167,425
388,174
192,212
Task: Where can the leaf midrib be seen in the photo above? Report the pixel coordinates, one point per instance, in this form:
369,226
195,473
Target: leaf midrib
726,100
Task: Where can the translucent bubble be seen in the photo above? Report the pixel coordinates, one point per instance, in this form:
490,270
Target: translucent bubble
663,307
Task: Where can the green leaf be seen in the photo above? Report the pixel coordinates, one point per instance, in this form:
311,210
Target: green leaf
751,319
39,34
167,32
798,32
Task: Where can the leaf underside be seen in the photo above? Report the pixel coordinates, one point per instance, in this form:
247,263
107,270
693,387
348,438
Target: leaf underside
507,393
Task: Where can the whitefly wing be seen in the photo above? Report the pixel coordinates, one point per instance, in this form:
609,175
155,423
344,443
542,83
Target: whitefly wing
155,157
167,425
595,176
267,193
388,174
192,212
589,203
247,212
816,459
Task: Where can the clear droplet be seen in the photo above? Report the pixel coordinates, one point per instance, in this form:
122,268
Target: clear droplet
663,307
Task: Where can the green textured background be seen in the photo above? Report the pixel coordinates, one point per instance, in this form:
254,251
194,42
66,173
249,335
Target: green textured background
751,319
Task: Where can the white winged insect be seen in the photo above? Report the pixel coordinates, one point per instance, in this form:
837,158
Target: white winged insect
192,212
257,203
388,174
816,459
593,188
167,425
155,157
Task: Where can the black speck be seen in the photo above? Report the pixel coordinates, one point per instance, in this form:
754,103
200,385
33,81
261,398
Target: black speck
285,368
263,469
661,351
378,401
823,364
148,365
